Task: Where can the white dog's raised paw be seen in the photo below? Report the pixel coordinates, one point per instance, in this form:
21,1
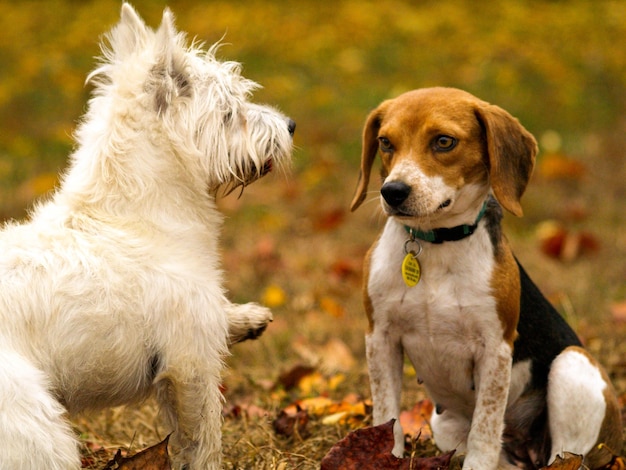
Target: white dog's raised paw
247,321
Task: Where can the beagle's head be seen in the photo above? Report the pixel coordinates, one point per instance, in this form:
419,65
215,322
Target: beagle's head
442,151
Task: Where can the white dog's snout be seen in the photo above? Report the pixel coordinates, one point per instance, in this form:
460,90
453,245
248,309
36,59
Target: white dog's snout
291,126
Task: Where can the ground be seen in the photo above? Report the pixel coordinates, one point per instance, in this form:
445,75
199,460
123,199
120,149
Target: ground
290,240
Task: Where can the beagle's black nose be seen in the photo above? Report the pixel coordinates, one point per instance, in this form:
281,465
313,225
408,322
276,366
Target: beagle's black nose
291,126
395,192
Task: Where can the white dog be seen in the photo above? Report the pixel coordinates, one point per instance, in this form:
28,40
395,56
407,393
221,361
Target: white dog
113,289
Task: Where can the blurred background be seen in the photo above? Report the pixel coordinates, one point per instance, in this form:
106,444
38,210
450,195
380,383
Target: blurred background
290,241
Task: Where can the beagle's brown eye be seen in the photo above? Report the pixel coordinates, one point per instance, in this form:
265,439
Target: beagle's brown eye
385,144
444,143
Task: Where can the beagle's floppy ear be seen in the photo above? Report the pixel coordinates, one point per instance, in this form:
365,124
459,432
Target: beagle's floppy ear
368,154
512,150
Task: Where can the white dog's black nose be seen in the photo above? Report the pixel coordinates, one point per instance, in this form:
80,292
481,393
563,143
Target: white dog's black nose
291,126
395,192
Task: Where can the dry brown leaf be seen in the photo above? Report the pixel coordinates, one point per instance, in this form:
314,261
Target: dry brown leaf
615,462
567,462
370,448
290,379
287,424
152,458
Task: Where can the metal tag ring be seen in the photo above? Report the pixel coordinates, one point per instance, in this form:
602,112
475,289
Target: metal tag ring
419,246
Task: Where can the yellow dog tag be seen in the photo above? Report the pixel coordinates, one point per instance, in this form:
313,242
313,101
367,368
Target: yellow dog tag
411,271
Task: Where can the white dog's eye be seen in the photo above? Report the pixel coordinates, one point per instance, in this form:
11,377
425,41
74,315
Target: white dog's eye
385,144
444,143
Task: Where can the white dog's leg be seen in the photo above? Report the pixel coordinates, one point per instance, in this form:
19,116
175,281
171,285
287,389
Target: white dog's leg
246,321
33,431
191,402
576,402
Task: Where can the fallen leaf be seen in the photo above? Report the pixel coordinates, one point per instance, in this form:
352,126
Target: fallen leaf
91,453
290,379
615,462
331,357
370,448
287,424
312,383
558,166
344,268
567,462
315,406
331,306
351,410
416,422
152,458
335,418
566,245
618,311
329,219
248,410
335,380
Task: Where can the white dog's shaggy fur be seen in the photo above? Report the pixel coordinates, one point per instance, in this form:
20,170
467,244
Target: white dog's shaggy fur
113,289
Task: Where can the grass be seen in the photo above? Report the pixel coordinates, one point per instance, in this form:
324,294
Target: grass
327,64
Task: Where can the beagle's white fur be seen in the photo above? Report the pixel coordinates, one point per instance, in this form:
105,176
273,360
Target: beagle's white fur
510,379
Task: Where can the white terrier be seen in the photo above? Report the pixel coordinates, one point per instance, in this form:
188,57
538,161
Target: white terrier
113,289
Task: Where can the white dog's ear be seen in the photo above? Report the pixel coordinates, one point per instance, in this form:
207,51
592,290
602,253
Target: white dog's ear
129,35
169,78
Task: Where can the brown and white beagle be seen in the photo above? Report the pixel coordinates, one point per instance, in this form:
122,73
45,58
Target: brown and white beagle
512,384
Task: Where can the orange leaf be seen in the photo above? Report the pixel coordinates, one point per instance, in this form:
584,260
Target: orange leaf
315,406
618,311
416,422
558,166
329,305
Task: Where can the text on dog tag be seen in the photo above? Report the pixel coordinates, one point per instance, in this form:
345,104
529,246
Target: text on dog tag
411,271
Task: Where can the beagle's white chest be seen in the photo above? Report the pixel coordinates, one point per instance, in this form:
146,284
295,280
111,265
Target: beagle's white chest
447,320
